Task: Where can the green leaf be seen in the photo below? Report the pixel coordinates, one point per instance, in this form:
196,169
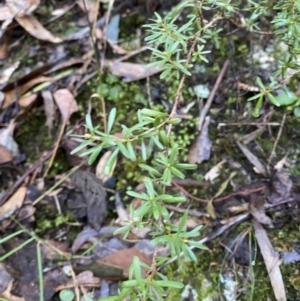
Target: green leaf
95,154
177,173
258,95
165,73
111,119
126,229
157,142
188,252
175,199
197,245
174,121
111,161
286,98
174,153
163,137
185,166
297,112
260,83
258,106
144,150
66,295
152,171
137,195
273,100
168,283
143,210
155,211
225,184
131,151
123,149
149,187
88,122
157,121
167,176
152,113
130,283
81,146
137,270
182,222
162,239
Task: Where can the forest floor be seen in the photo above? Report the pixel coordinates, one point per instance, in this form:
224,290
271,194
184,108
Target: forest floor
55,228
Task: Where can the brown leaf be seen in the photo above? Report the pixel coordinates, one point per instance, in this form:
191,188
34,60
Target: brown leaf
124,258
100,169
49,108
19,8
200,150
257,210
5,14
272,261
10,95
87,277
132,72
6,73
7,294
7,140
66,103
13,204
4,45
259,167
36,29
5,155
281,187
91,7
28,100
5,278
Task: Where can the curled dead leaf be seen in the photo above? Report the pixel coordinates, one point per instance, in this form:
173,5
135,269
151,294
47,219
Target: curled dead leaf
66,103
36,29
19,8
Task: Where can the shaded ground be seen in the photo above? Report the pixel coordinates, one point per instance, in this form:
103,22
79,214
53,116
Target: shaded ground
51,78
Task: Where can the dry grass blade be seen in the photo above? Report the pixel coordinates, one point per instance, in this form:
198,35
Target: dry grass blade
259,167
272,261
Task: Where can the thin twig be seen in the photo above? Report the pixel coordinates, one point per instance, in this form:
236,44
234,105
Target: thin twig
277,139
226,197
209,101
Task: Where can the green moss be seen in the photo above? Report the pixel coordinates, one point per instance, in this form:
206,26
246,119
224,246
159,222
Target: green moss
32,136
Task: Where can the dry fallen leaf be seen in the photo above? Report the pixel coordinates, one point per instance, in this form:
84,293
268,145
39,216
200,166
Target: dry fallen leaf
10,96
259,167
200,149
13,204
7,140
7,294
27,100
132,72
100,169
6,73
272,261
19,8
257,210
5,155
91,8
5,14
4,47
124,258
66,103
49,108
36,29
214,172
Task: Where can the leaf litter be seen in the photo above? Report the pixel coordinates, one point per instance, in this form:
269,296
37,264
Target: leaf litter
85,196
